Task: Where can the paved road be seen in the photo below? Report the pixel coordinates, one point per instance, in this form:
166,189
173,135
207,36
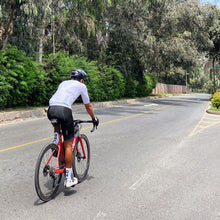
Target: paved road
150,160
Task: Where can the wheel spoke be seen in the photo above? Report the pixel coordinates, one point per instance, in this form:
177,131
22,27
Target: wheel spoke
46,180
81,161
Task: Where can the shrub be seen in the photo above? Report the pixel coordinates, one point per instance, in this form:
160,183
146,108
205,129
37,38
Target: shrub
208,86
103,82
112,82
145,88
130,88
20,79
24,82
216,100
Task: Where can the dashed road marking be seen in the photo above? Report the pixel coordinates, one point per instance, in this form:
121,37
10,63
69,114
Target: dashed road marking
139,182
100,215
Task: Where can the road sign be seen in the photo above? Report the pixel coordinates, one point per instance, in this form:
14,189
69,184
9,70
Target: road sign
218,66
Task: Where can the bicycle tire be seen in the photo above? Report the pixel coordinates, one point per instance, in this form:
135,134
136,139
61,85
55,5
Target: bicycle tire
80,165
46,181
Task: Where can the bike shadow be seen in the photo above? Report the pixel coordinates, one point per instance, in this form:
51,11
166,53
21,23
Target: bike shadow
62,189
72,190
66,192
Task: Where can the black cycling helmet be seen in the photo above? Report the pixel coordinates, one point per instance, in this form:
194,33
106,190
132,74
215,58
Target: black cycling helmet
78,74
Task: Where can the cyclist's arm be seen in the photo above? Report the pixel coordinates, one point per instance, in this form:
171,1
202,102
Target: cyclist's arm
90,110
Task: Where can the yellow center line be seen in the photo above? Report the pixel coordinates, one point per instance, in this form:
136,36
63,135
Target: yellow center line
29,143
132,116
85,128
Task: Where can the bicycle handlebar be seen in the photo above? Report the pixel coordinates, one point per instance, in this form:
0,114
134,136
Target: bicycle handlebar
89,121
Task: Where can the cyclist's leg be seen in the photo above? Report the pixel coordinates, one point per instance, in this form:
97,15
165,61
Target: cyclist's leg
68,153
70,179
68,135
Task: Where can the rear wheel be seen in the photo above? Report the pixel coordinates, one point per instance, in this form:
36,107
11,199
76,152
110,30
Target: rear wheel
80,162
46,180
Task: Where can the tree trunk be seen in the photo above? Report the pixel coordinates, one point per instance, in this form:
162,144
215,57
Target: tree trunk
4,33
53,32
41,43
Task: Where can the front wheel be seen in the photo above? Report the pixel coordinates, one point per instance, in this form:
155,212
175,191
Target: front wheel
46,180
81,158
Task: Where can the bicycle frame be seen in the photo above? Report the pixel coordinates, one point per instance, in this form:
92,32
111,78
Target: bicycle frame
51,160
61,151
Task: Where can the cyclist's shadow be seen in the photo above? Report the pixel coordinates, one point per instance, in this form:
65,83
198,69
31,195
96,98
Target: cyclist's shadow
72,190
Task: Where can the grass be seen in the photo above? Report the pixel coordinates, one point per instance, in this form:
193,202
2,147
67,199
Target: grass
212,108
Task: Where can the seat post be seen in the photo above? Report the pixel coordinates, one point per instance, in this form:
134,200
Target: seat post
56,124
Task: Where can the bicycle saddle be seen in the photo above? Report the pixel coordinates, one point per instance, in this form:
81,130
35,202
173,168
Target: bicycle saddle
54,121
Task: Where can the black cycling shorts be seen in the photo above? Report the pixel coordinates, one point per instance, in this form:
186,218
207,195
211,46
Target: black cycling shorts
65,117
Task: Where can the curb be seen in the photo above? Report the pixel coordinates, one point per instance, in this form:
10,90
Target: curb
13,116
22,114
213,112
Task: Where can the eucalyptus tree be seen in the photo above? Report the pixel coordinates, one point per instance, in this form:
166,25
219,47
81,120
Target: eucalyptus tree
126,33
215,35
178,32
160,37
31,24
83,26
7,13
37,21
214,53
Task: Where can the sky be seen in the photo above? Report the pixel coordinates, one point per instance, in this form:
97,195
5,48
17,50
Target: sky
214,2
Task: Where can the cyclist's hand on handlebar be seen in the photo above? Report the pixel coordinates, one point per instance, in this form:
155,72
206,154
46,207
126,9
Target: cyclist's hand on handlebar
95,122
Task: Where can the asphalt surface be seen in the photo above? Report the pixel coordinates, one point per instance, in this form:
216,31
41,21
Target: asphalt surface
155,159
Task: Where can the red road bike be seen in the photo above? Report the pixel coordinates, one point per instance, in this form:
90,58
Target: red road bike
51,164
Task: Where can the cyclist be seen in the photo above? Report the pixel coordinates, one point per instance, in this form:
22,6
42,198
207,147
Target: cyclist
60,107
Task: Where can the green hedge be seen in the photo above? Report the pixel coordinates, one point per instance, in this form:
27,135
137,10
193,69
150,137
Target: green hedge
103,82
22,79
24,82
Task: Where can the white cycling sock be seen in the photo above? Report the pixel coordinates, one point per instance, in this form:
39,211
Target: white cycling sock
56,138
69,173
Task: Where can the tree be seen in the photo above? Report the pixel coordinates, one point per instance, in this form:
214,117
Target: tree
160,37
7,12
214,53
179,33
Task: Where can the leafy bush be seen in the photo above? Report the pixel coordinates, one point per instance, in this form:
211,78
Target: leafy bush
216,100
112,82
24,82
20,79
130,88
208,86
145,88
103,82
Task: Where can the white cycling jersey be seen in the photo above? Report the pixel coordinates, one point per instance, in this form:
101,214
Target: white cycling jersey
67,93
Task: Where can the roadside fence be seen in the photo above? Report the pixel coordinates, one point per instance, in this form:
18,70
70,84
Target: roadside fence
168,88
